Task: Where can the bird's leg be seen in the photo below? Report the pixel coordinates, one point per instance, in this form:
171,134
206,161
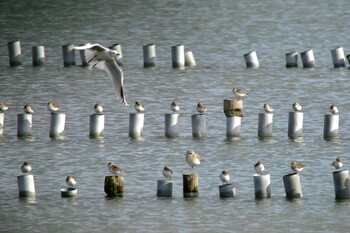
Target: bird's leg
92,58
95,63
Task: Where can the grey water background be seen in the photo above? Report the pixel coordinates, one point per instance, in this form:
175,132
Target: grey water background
218,33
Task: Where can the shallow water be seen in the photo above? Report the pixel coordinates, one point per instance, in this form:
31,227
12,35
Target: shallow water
218,33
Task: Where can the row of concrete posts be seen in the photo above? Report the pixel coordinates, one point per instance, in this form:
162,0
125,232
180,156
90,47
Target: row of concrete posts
180,58
233,110
114,186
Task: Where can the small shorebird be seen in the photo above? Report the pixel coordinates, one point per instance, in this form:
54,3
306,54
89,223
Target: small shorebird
139,106
239,93
334,109
175,107
167,172
53,107
98,108
259,167
297,166
193,158
71,181
26,167
297,107
28,108
224,177
338,163
3,107
114,169
201,108
268,108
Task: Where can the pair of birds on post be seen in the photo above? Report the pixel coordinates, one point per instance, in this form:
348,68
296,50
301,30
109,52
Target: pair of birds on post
70,180
51,106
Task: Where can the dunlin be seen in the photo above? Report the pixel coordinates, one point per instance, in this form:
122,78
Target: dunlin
334,109
71,181
28,108
98,108
114,169
239,93
297,166
175,107
193,158
3,107
139,106
26,167
53,107
104,58
259,167
338,163
297,107
167,172
224,177
268,108
201,108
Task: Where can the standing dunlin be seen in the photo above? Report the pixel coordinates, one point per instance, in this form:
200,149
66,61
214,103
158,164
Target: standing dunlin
98,108
71,181
53,107
139,106
114,169
239,93
297,107
259,167
268,108
334,109
26,167
338,163
193,158
167,172
201,108
28,108
297,166
175,107
224,177
3,107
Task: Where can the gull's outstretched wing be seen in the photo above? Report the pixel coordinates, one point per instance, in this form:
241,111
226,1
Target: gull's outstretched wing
94,47
116,74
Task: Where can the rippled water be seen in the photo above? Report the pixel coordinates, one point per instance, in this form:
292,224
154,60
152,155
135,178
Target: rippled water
218,33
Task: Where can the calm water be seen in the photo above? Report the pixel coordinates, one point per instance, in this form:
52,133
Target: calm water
218,33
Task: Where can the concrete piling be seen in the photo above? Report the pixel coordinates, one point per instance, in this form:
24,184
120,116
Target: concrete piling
295,124
57,124
38,55
68,55
331,126
265,125
172,125
178,56
199,126
251,60
149,55
14,50
292,185
308,59
24,125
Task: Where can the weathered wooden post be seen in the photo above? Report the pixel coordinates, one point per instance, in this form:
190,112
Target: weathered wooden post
190,185
114,186
233,110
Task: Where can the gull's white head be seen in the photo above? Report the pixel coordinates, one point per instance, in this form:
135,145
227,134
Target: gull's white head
113,53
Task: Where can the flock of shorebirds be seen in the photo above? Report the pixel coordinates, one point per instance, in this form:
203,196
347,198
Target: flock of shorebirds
192,159
174,106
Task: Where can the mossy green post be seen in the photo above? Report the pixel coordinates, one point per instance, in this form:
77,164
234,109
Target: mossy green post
114,186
